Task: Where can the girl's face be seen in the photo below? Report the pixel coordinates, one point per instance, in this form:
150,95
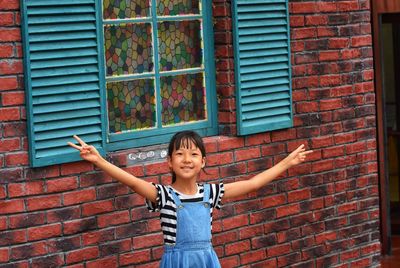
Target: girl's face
187,161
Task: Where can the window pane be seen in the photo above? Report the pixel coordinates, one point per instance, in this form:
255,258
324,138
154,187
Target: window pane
125,9
183,98
180,45
131,105
177,7
128,49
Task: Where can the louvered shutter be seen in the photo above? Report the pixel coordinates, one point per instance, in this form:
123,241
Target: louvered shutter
63,77
262,63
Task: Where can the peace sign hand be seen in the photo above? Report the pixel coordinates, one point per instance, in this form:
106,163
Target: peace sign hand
87,152
298,156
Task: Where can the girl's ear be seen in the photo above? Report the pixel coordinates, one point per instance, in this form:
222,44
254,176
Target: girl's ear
169,160
203,164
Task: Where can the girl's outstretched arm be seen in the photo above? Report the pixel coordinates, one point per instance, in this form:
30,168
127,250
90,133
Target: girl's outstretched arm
89,153
239,188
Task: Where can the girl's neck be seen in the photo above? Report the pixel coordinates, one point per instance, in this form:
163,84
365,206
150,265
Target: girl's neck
185,188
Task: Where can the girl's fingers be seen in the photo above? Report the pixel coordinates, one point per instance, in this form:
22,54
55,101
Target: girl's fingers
81,142
75,146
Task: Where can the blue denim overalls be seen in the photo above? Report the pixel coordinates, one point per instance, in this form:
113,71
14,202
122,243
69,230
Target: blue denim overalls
193,248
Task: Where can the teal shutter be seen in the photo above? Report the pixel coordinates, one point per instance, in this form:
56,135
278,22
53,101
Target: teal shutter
63,77
262,63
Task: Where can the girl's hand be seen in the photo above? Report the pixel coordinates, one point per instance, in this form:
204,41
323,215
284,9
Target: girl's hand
87,152
298,156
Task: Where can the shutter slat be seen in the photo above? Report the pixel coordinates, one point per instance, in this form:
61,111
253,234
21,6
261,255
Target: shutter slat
56,28
68,106
264,97
61,89
64,71
67,114
64,37
43,64
67,133
262,47
82,122
57,2
61,19
64,75
43,55
66,97
66,80
90,139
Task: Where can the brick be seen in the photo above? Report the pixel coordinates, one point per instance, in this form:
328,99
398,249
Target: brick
115,218
76,167
25,189
97,207
62,184
252,256
11,206
41,203
79,226
4,255
16,159
10,35
147,241
6,50
111,261
359,41
135,257
9,5
284,211
27,220
219,159
84,254
238,247
12,98
44,232
298,195
9,114
81,196
48,261
278,250
247,153
8,83
96,237
28,251
10,67
13,237
8,145
235,222
6,18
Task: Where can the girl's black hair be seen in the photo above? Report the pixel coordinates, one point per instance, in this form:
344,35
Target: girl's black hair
183,139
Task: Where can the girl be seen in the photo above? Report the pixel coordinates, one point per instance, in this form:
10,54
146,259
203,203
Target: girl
186,206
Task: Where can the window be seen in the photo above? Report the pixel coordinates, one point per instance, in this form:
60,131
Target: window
120,74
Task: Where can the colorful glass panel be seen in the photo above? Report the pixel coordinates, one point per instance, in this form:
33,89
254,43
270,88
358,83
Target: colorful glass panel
131,105
128,49
183,98
180,45
177,7
125,9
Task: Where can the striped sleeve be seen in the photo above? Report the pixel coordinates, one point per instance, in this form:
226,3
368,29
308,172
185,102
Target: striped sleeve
161,199
217,192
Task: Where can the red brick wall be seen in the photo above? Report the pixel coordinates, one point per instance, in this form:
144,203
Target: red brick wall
322,213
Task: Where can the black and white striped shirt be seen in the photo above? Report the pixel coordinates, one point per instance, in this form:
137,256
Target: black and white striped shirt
166,206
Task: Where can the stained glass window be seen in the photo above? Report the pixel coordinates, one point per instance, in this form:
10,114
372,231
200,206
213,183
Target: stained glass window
155,65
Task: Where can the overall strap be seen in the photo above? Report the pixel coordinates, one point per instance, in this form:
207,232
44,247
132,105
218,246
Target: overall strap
206,197
175,197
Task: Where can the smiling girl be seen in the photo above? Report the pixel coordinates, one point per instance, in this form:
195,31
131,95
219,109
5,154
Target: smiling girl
186,206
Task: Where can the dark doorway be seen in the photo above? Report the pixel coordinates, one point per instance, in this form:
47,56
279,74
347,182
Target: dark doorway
386,36
390,41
